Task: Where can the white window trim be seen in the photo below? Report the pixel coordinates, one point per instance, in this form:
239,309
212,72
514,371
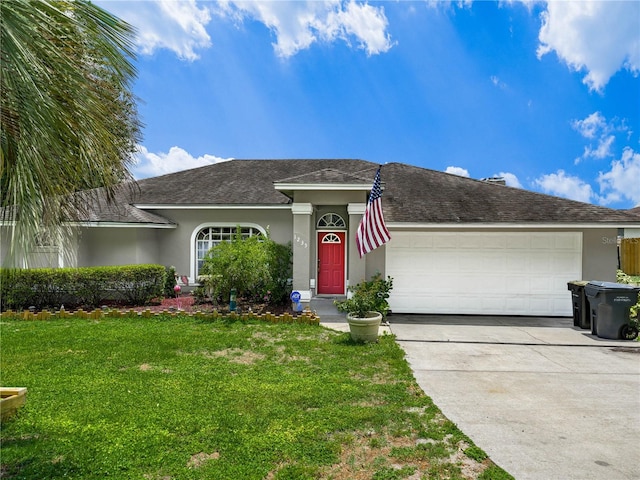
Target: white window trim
331,239
333,225
192,246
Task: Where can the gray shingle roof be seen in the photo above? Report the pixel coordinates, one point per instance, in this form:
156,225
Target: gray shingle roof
98,209
412,194
415,194
243,182
329,176
635,211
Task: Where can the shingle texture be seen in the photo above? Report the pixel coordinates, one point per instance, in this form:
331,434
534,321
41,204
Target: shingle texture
239,181
415,194
635,211
97,208
329,176
411,194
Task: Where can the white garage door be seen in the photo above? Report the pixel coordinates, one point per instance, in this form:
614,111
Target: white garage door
483,273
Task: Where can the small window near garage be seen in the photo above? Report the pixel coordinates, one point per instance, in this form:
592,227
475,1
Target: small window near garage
332,220
211,236
45,252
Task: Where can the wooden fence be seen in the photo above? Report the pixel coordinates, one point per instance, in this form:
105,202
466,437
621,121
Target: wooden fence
630,256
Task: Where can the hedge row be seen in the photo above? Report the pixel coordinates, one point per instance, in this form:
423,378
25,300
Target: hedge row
87,286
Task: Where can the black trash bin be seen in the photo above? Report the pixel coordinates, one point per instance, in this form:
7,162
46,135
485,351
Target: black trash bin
581,313
609,305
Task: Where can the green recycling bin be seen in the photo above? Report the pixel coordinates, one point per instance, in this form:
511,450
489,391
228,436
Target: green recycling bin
581,313
609,305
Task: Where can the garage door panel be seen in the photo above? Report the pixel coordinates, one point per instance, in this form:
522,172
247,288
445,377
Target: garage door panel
515,284
517,242
470,242
542,242
539,285
469,262
567,243
493,261
512,273
444,241
517,263
566,262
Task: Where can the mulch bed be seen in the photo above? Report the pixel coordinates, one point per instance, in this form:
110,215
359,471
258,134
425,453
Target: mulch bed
188,304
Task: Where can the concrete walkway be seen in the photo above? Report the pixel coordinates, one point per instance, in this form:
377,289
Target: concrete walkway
545,400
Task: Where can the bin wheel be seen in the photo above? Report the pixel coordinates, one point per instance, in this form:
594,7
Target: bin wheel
628,332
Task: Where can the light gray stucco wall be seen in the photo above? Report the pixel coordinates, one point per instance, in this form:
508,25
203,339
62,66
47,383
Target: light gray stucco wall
5,248
376,262
174,245
324,197
600,254
100,246
64,254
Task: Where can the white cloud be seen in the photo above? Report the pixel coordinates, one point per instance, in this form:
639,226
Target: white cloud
178,26
299,24
599,37
602,150
597,128
591,126
621,182
510,179
461,172
150,164
563,185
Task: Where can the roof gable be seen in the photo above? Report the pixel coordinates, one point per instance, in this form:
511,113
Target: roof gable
326,176
239,182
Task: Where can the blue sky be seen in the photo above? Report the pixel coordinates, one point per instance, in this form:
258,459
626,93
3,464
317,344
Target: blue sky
545,94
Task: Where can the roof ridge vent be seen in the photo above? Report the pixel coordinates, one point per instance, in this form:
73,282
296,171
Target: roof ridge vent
495,180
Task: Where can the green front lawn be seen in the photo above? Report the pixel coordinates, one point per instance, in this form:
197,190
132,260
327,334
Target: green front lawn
177,398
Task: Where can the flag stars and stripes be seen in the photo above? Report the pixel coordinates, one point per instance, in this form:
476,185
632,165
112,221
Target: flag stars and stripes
372,231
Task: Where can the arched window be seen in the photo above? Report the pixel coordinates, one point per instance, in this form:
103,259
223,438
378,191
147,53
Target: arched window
211,235
332,220
331,238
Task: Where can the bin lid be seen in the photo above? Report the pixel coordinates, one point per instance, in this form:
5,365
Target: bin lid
579,283
602,286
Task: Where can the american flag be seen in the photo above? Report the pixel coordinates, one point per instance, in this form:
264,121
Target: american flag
372,232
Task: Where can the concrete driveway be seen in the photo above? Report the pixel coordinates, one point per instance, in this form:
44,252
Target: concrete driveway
545,400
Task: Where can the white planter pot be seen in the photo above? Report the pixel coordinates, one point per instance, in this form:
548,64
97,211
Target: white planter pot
365,329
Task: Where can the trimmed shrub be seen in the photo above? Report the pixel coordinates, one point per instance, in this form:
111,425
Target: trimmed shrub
257,267
89,286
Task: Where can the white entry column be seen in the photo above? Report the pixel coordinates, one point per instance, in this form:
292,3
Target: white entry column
301,245
356,270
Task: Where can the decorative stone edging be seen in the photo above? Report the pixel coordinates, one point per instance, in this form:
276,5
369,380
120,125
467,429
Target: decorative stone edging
305,317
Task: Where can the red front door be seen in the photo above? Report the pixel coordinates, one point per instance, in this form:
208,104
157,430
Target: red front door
331,263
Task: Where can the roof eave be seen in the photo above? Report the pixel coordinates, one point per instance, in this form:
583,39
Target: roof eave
321,186
503,225
122,225
216,206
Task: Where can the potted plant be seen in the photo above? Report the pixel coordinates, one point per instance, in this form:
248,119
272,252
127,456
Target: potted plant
366,306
